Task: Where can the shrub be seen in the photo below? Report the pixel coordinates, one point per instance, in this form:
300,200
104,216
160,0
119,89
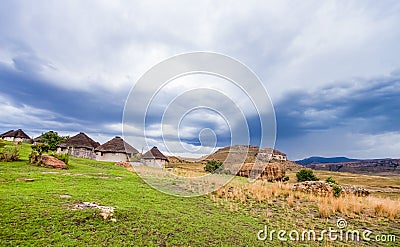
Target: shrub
62,157
306,175
212,165
285,178
330,180
34,157
41,148
337,190
9,153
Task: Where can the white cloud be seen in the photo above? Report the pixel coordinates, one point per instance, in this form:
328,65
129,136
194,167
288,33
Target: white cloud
109,45
14,116
104,47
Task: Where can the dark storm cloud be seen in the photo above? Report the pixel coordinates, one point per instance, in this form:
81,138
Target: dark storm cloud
363,106
22,83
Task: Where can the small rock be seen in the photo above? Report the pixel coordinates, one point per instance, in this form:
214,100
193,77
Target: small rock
106,211
65,196
29,180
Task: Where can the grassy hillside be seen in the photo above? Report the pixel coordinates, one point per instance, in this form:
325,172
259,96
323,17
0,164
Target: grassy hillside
33,213
39,213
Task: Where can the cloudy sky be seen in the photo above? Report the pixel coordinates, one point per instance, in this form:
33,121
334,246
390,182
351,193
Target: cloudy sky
331,68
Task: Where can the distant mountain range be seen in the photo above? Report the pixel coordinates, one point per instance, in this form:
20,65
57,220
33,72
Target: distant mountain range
321,160
343,164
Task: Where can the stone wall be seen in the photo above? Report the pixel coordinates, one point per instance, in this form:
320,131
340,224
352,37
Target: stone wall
325,189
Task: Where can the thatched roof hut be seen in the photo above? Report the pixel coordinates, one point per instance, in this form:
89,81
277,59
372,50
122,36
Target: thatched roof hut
80,140
16,136
154,153
116,150
154,158
117,145
6,133
79,145
37,139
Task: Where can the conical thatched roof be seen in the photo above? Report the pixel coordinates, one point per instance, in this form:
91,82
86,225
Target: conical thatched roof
37,139
117,145
16,134
80,140
5,133
154,153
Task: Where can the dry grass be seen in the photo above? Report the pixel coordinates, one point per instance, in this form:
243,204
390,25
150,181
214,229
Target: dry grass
189,166
346,205
352,206
387,207
240,191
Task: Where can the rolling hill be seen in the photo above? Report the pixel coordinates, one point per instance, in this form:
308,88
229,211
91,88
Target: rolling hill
321,160
382,167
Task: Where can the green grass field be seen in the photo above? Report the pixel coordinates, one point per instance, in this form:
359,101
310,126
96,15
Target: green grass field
36,214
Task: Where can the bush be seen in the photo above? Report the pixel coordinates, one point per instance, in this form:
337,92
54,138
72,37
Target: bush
337,190
330,180
62,157
34,158
285,178
306,175
52,139
41,148
9,153
212,166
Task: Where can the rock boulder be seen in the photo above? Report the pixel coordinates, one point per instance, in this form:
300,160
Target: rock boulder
52,162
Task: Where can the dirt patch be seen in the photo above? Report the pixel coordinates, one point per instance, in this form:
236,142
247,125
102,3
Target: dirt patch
123,164
50,172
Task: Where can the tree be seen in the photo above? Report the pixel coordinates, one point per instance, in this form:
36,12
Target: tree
212,165
306,175
52,139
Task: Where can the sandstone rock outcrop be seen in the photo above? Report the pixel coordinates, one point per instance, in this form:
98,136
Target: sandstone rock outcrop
267,171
